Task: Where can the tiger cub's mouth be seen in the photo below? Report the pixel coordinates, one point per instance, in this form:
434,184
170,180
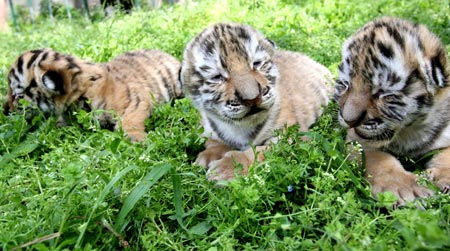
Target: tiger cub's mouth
254,110
384,134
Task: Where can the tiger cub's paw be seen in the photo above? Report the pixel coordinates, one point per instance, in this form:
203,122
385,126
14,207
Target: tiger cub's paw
61,121
206,157
214,151
220,170
224,168
440,177
402,184
137,136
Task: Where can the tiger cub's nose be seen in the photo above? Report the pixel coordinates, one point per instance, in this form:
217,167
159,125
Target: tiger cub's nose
252,102
356,120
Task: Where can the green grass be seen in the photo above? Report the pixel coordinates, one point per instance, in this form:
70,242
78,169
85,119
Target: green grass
81,187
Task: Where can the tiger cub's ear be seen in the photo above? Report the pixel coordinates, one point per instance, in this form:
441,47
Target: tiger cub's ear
439,73
274,45
53,82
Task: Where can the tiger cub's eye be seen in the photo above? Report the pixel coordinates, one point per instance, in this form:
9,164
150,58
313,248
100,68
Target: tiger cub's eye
217,79
341,86
390,98
257,64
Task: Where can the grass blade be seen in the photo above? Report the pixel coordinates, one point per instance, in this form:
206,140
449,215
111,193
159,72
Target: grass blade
137,193
102,196
38,240
177,201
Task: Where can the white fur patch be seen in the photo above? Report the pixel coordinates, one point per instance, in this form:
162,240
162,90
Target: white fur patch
444,139
48,83
44,107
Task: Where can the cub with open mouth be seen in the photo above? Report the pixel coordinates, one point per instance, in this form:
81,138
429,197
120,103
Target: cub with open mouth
244,89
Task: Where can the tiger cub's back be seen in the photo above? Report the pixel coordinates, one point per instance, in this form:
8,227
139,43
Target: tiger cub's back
304,88
157,69
135,82
130,85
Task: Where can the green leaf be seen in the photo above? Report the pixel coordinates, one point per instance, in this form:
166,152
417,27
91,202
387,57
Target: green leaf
23,149
149,180
114,145
201,228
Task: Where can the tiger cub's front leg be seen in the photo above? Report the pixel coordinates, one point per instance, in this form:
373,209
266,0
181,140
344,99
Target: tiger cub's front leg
214,150
225,168
133,123
438,170
386,173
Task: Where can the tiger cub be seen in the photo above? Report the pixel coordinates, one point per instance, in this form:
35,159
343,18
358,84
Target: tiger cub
394,98
130,84
244,89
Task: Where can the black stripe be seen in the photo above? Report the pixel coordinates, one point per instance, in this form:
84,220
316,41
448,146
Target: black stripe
223,53
436,66
180,82
71,62
95,77
205,68
37,51
386,50
193,90
20,64
14,75
33,58
396,103
215,128
132,54
258,128
197,74
377,63
341,67
396,35
168,87
208,47
392,112
393,78
44,57
75,74
420,44
242,33
217,97
351,45
28,92
169,84
128,93
207,91
424,100
138,101
413,77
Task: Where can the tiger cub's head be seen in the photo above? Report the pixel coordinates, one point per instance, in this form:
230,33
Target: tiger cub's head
228,73
45,78
390,72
